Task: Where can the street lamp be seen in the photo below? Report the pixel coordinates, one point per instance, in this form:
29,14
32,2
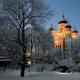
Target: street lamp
29,62
28,54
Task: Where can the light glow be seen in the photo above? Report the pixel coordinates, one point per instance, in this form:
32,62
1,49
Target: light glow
61,34
29,62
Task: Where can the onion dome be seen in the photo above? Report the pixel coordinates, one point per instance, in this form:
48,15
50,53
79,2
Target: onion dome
68,26
52,28
74,30
63,20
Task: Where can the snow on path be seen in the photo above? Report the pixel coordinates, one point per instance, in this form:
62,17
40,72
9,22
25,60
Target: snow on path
15,75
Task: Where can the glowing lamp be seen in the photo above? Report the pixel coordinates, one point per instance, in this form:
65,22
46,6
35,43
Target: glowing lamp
29,62
29,54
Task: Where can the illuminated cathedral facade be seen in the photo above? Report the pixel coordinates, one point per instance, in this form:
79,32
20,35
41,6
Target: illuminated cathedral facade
63,36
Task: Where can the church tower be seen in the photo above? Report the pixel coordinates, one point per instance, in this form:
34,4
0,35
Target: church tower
62,38
74,33
61,24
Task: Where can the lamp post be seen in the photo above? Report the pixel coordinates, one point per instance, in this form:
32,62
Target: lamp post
28,54
29,64
29,61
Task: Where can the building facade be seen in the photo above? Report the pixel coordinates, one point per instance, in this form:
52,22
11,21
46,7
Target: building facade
63,37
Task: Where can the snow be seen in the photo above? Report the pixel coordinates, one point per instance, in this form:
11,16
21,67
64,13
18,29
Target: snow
15,75
66,62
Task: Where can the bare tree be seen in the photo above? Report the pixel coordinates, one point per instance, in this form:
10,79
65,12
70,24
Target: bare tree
21,13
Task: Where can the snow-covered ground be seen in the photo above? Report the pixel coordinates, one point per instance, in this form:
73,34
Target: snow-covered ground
15,75
34,75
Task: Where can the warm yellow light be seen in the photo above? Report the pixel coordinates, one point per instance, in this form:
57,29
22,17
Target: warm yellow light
53,33
29,54
29,62
61,34
67,32
61,27
74,35
57,42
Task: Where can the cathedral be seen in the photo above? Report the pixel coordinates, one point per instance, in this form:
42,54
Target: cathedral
63,36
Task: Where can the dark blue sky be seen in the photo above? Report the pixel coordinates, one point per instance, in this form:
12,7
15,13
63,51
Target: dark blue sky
71,11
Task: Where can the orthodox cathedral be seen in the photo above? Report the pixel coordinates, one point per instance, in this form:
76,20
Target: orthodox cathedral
63,36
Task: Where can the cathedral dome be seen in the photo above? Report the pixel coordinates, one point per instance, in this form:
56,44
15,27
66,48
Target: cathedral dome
74,30
68,26
63,20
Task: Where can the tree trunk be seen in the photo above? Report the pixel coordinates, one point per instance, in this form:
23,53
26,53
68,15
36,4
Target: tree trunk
24,50
24,54
23,65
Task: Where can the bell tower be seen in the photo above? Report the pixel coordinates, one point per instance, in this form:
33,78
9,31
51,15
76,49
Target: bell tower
62,23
